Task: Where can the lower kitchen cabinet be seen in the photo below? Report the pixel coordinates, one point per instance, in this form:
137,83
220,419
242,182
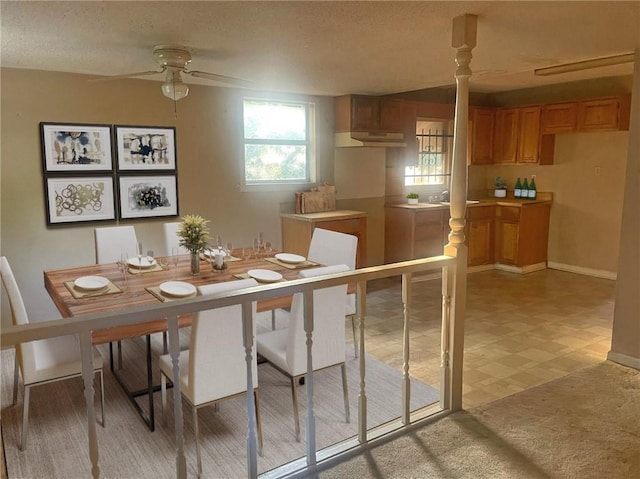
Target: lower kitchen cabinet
479,235
514,237
522,235
412,232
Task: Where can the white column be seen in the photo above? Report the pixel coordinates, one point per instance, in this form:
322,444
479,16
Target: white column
88,375
455,278
174,352
311,420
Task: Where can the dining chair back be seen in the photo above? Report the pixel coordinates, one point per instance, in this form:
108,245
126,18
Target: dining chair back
171,238
45,360
112,241
214,368
286,349
332,247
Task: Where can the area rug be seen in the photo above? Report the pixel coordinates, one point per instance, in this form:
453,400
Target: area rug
57,445
582,426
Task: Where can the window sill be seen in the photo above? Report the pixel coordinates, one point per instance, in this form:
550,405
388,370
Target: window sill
276,187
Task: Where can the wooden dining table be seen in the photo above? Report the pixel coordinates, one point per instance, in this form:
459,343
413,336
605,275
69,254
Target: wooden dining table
135,292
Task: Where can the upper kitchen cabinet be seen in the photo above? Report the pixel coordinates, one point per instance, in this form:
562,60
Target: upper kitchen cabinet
518,135
481,138
601,115
370,114
559,117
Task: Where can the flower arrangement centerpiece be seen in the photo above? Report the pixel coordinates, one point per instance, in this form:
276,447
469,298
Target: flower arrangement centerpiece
194,235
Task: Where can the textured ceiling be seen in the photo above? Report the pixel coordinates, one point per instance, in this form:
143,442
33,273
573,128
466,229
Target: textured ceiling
325,48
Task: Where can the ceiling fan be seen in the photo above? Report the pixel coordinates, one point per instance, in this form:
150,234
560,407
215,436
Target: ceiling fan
173,60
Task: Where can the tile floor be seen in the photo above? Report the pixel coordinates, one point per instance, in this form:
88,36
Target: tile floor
520,330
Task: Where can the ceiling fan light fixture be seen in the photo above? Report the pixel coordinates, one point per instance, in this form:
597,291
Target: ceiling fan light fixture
174,88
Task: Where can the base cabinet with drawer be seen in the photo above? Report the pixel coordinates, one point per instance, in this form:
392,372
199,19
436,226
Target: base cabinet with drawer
522,235
297,230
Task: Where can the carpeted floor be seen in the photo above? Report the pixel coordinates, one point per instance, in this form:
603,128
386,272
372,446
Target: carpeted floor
583,426
57,444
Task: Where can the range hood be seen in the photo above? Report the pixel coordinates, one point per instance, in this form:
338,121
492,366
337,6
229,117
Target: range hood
371,139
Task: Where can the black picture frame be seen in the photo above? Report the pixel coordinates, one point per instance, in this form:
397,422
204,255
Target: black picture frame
76,148
145,148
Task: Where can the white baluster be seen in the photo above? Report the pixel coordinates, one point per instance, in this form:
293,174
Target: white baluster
361,310
406,379
88,375
311,421
174,352
247,339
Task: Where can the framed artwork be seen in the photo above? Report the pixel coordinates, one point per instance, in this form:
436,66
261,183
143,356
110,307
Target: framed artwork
148,196
146,148
76,199
69,147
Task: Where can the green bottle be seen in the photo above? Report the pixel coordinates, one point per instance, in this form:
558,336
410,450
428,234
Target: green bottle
524,192
532,189
517,193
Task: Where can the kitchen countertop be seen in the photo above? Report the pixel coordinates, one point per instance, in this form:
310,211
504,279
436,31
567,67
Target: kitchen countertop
543,198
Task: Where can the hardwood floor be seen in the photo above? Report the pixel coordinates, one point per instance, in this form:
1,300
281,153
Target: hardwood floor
520,330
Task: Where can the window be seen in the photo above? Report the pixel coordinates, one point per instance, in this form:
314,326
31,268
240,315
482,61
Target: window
435,147
277,141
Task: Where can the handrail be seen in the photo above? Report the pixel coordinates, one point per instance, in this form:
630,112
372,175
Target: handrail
83,325
139,314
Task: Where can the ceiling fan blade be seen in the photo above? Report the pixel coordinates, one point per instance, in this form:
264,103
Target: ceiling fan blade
220,78
127,75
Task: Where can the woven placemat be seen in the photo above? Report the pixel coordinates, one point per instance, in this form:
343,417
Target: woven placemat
80,293
305,264
155,290
155,267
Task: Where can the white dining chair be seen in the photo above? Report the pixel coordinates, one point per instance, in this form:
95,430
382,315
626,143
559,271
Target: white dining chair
286,349
45,360
329,248
171,238
112,241
214,367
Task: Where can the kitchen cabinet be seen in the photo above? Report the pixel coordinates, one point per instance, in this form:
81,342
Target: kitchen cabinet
521,235
481,138
297,230
599,115
518,135
559,117
370,114
479,235
411,233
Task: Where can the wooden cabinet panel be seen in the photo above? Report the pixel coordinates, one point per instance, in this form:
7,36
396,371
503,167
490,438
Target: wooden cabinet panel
507,242
528,135
297,230
411,233
482,132
506,135
559,117
522,234
518,135
371,114
598,115
480,242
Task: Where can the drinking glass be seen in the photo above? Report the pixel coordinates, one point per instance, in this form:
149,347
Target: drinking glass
229,249
246,253
267,248
219,243
139,254
175,257
256,247
124,257
150,255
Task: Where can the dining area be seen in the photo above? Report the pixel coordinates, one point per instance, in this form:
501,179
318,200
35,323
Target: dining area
241,319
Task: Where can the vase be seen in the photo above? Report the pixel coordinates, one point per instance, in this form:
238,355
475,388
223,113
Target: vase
412,201
195,263
500,193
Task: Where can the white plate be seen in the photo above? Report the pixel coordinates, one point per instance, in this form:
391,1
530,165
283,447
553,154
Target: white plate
290,258
91,283
144,262
264,275
214,252
177,288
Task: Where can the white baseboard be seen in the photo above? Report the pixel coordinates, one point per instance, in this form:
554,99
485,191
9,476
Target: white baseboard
598,273
521,269
624,360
